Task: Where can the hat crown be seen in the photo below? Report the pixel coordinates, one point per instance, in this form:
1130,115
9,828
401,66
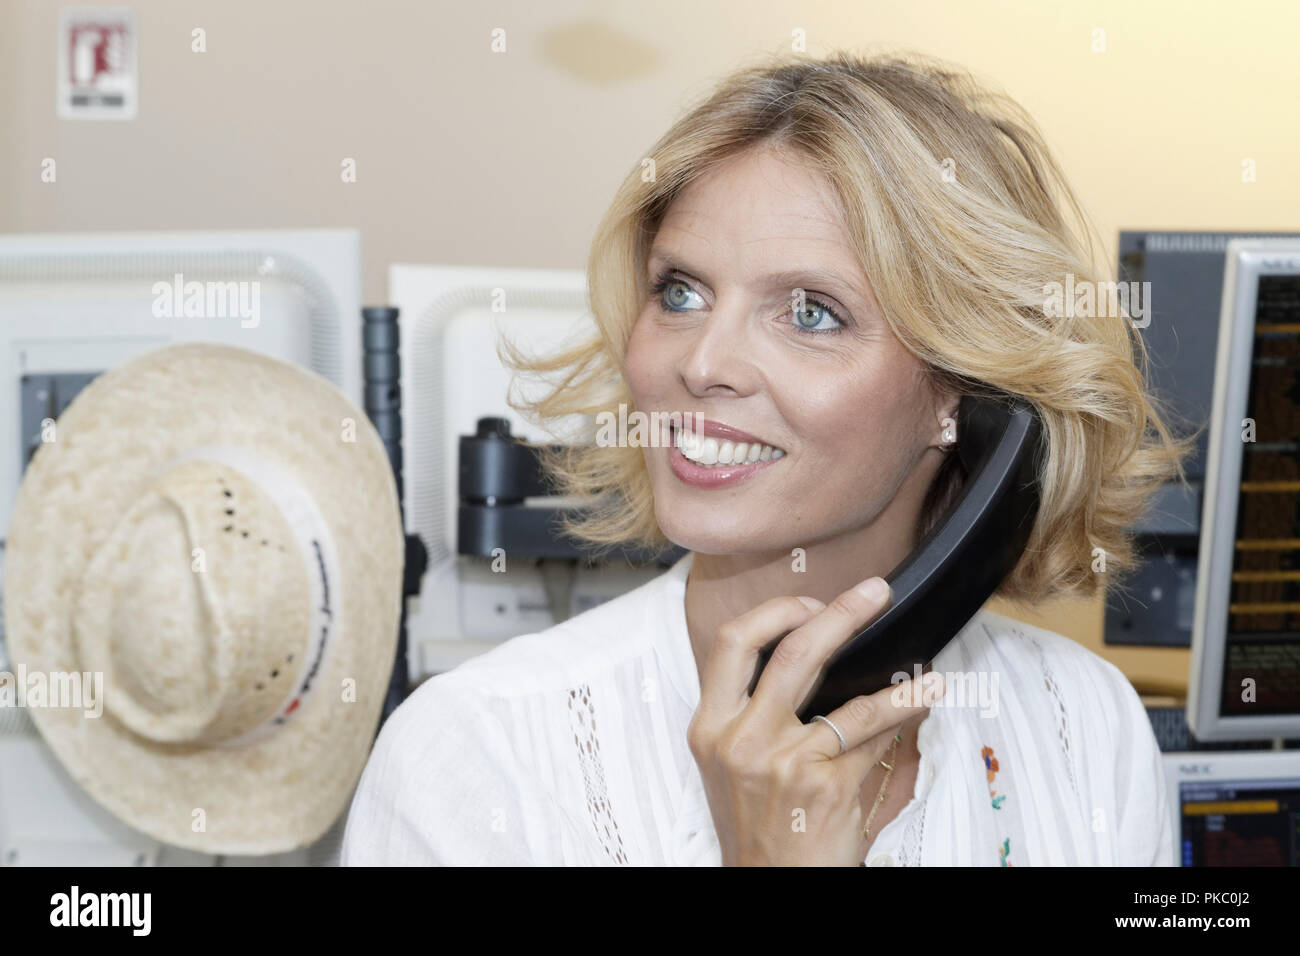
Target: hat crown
197,608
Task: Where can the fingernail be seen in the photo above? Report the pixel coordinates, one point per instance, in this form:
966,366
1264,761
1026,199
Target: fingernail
812,604
873,589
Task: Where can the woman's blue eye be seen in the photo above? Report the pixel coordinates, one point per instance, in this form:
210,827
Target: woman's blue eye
673,295
665,289
809,306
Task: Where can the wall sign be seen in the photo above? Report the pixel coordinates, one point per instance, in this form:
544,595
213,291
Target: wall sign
97,63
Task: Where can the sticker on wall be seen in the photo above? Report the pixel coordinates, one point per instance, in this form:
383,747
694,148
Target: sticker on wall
97,63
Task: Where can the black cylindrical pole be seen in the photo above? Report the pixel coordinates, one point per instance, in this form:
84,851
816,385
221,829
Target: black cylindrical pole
382,366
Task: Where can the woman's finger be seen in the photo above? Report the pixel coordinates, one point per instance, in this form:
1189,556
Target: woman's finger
798,661
856,764
729,669
862,718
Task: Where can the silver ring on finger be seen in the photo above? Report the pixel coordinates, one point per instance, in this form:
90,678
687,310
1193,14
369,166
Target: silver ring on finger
844,744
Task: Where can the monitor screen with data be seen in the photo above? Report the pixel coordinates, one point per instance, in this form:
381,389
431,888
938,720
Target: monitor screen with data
1235,809
1245,680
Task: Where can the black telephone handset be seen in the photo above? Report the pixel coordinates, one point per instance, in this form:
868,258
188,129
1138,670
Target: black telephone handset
959,563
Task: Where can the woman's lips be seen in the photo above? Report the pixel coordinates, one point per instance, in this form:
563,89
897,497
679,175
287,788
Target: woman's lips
713,476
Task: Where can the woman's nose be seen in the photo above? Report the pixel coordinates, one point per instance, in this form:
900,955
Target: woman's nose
719,353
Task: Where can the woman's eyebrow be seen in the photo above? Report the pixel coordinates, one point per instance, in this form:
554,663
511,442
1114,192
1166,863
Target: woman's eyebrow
801,278
784,280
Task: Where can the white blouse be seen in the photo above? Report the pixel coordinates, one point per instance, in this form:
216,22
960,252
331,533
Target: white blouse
568,747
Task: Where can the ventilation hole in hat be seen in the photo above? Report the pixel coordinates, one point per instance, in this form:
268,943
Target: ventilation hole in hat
244,533
229,527
228,493
263,541
289,658
259,685
230,511
275,673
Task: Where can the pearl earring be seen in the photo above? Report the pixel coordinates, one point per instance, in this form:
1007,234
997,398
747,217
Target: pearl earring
949,431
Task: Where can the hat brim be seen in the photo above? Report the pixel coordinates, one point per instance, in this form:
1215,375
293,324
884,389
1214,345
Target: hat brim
277,794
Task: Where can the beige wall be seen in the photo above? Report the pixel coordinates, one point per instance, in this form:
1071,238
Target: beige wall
467,157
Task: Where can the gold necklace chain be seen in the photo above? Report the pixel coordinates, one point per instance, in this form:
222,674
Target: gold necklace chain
889,772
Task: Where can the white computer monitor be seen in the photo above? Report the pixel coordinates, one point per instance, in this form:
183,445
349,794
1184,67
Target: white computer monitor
1239,808
72,306
1245,672
452,318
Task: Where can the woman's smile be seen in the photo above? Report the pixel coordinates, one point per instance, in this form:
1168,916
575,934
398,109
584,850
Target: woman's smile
705,460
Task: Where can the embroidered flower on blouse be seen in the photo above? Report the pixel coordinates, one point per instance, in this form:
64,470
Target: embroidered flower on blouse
991,769
997,799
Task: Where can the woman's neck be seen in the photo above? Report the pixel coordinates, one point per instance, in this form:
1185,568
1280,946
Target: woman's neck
721,587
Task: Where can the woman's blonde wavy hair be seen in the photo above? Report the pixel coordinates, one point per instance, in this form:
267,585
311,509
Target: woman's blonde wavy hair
957,212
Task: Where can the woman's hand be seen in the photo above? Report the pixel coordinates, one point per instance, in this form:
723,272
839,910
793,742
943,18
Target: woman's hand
764,772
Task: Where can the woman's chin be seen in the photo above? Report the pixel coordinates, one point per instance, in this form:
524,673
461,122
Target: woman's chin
708,538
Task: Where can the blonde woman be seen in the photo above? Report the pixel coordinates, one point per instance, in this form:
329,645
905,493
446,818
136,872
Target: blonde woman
915,221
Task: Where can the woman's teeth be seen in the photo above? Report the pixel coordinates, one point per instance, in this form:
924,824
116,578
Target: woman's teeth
711,452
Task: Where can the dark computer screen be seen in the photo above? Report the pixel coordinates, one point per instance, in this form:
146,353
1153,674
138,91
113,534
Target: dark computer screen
1240,823
1262,640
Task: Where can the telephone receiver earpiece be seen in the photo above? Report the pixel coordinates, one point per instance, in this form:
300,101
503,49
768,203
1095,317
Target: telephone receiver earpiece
959,563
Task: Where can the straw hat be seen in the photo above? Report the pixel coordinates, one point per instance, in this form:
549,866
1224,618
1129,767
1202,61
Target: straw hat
217,534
